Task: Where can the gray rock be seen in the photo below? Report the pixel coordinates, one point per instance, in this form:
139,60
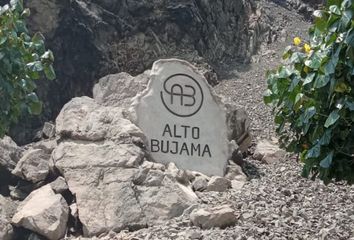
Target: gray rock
84,119
222,216
33,166
17,193
119,89
59,185
239,126
48,130
43,212
268,152
218,184
6,230
200,184
179,174
71,156
237,184
152,165
47,145
10,153
97,174
7,210
235,172
161,197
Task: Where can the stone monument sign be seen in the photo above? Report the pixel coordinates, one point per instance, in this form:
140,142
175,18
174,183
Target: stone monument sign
184,121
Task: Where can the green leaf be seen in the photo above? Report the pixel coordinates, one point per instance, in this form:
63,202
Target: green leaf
308,114
335,9
314,62
35,108
35,66
314,152
284,72
309,78
327,161
326,137
49,72
321,81
332,118
350,38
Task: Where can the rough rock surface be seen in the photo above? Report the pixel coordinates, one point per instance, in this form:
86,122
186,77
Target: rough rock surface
97,174
268,152
200,184
218,184
91,39
84,119
33,166
43,212
59,185
222,216
10,153
7,210
117,90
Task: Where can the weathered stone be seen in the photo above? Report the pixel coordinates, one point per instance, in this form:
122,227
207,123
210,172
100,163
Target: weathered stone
179,174
153,165
6,230
43,212
7,208
33,166
176,112
161,197
59,185
10,153
237,184
17,193
69,156
239,126
48,130
222,216
235,172
200,184
268,152
218,184
84,119
97,174
47,145
119,89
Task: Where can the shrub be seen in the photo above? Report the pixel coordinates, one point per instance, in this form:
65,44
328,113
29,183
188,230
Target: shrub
313,98
23,59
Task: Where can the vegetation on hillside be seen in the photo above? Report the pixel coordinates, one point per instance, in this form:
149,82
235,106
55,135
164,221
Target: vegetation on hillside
23,59
312,95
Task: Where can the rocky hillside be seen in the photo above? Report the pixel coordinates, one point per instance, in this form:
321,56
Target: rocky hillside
93,38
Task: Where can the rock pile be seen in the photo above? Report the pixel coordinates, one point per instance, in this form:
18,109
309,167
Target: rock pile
94,175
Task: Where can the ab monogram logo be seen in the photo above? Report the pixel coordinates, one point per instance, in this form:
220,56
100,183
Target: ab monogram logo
182,95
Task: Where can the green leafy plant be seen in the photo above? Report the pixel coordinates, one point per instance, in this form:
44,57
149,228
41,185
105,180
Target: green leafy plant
23,59
313,98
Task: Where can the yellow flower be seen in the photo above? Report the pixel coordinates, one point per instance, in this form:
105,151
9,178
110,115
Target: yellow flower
306,69
307,48
297,41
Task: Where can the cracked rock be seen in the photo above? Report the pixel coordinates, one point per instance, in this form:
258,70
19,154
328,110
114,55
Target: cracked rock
222,216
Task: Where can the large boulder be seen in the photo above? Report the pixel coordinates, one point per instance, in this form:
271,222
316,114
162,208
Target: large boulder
119,89
112,193
43,212
221,216
83,119
10,153
7,210
33,166
268,152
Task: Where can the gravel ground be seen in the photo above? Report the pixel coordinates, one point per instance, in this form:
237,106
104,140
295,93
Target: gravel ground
276,203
